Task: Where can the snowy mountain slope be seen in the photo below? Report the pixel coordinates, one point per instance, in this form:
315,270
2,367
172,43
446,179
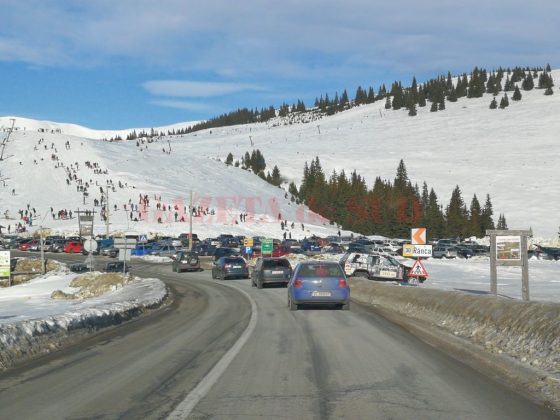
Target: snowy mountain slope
511,154
26,124
39,167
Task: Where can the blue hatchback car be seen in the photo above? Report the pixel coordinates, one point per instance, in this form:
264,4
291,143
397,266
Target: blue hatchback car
318,283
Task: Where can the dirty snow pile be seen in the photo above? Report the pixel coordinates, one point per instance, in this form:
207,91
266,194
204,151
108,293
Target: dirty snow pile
32,322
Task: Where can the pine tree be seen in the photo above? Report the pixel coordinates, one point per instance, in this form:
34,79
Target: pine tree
421,98
441,104
528,83
434,107
493,104
388,103
292,189
401,180
370,96
516,94
475,219
456,215
452,97
504,103
548,91
276,178
486,215
229,159
502,224
412,110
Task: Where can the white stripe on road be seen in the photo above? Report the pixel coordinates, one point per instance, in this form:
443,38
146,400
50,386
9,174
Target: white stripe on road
186,406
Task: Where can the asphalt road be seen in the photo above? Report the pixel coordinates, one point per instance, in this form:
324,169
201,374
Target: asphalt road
313,363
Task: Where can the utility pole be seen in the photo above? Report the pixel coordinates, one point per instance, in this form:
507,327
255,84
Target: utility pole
190,223
107,209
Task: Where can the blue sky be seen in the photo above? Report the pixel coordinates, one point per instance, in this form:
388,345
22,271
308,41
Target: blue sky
110,64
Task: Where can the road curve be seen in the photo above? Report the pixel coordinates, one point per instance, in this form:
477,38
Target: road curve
309,364
141,369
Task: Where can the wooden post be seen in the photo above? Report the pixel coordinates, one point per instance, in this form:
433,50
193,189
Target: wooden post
493,269
524,269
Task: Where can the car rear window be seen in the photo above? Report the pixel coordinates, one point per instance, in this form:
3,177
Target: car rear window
276,263
321,270
235,261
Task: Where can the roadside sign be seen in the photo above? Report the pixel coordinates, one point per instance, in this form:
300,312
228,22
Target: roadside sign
124,243
418,236
90,245
4,263
508,248
248,250
248,242
418,270
125,254
411,250
143,239
266,246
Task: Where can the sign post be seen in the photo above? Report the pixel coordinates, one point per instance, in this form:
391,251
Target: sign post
5,266
417,249
509,248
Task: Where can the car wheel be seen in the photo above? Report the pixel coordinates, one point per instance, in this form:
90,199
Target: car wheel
293,306
345,306
259,284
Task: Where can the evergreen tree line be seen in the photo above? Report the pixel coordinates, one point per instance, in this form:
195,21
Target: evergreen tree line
436,91
391,208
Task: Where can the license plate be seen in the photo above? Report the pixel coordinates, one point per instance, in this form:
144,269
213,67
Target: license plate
321,294
388,274
278,272
236,266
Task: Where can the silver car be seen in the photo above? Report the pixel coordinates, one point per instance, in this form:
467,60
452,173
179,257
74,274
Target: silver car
444,252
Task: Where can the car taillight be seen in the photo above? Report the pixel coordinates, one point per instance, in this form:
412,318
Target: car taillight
227,265
298,283
342,283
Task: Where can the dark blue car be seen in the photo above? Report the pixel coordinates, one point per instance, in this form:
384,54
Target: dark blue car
318,283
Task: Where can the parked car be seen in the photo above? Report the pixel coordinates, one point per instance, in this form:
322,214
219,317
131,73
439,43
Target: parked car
318,283
73,247
378,267
110,251
24,246
224,252
444,251
271,271
280,250
185,261
141,249
57,245
117,267
230,267
78,268
204,250
163,250
464,251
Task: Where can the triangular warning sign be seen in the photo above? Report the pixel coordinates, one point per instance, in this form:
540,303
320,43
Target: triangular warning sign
418,270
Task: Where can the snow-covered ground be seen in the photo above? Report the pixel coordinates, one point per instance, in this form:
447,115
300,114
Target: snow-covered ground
473,276
32,300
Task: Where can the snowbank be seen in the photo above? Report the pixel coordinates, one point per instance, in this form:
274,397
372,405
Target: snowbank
27,334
